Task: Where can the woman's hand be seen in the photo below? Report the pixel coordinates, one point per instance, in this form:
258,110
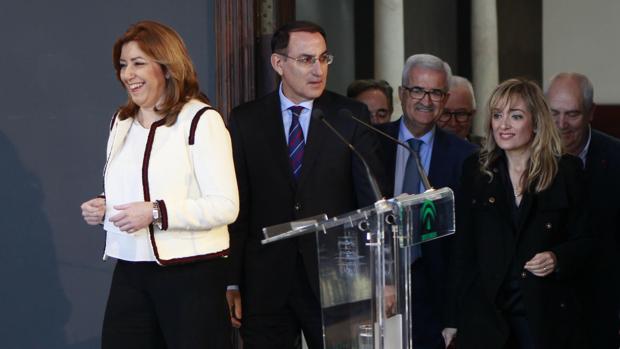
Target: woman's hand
93,210
133,216
542,264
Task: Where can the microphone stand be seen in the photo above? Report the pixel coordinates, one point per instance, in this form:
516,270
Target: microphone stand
318,113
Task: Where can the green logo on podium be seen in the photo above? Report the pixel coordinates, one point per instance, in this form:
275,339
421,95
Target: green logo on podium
428,214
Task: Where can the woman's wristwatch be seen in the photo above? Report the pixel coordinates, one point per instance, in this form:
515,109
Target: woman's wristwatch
156,215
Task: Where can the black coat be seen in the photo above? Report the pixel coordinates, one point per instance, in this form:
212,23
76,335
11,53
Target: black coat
488,243
601,290
332,181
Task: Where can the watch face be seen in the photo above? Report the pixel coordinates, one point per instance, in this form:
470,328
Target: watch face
155,211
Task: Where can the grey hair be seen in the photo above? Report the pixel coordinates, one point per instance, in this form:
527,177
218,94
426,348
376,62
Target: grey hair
429,62
585,85
461,81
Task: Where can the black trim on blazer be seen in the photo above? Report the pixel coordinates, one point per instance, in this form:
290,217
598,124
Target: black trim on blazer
113,120
164,214
192,130
147,197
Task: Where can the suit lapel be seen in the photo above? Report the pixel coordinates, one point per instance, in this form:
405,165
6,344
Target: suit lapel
274,137
390,152
596,158
315,140
438,169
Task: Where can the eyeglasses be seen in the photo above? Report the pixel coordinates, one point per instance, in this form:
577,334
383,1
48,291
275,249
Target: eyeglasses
417,93
307,60
460,116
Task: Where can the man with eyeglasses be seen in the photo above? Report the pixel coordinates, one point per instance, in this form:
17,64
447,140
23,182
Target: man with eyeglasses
571,99
290,166
423,95
457,115
377,95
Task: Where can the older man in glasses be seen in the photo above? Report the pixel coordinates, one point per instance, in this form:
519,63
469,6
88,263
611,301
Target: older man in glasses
457,115
290,166
423,94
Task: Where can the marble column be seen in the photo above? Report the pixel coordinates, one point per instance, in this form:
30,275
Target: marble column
390,46
485,58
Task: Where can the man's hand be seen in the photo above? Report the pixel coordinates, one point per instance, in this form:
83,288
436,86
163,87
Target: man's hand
234,307
389,294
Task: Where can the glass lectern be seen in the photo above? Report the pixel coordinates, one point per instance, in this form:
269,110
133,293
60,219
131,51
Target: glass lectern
364,260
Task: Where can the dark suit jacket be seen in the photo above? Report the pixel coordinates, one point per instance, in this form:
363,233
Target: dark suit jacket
602,291
332,181
487,244
430,273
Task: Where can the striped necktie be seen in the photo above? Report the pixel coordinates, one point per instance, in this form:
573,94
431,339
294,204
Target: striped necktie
296,142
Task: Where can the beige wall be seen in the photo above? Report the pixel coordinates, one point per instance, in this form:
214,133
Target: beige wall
584,36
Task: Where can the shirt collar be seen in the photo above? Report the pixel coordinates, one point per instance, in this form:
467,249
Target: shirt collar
404,134
286,103
584,151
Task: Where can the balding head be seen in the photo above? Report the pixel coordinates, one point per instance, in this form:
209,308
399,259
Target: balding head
570,97
459,109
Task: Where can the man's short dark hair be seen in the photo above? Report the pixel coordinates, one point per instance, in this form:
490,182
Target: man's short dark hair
359,86
280,39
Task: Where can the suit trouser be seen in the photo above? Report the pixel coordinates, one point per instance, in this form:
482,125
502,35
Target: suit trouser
280,328
426,327
181,306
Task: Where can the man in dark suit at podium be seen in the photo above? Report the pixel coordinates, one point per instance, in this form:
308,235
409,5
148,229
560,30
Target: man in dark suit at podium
423,94
290,166
570,97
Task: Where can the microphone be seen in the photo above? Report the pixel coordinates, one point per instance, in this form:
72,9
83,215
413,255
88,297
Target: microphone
318,114
423,176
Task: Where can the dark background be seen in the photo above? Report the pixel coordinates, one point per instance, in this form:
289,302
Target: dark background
57,94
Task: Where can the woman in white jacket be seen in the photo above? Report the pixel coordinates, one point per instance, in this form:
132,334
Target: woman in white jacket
169,194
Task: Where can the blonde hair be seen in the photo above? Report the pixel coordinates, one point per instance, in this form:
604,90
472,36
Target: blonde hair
164,46
546,147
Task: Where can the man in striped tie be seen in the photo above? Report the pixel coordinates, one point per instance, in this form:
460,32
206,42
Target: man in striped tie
290,166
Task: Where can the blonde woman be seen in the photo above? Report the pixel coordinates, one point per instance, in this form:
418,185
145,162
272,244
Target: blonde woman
521,234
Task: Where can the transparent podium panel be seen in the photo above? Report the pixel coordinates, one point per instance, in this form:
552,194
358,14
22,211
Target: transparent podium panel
358,277
364,262
292,229
346,259
415,219
427,216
